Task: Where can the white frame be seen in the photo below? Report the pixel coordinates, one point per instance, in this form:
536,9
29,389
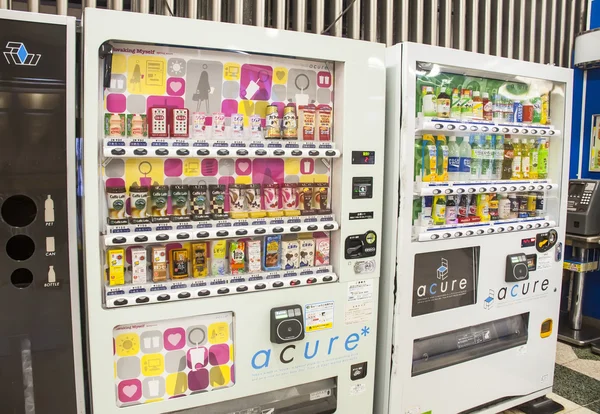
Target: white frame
397,329
359,121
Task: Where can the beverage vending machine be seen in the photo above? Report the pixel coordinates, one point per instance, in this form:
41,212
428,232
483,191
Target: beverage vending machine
477,151
233,199
40,334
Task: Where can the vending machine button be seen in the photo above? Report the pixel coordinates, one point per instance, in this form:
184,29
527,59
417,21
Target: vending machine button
140,239
162,237
551,132
119,240
500,229
242,288
202,234
260,286
162,298
446,235
543,132
296,153
480,231
449,191
223,152
242,152
492,189
457,234
279,152
280,229
513,188
436,191
260,230
328,227
184,295
260,152
435,237
223,291
118,151
327,278
510,228
505,130
295,228
469,232
538,225
474,128
532,187
502,189
451,127
438,126
529,226
182,152
546,224
540,187
533,132
462,127
277,284
482,189
142,299
204,292
490,231
140,151
471,190
525,131
311,280
241,232
522,188
295,282
519,227
313,153
182,236
495,129
203,152
515,130
120,302
330,153
222,233
161,152
549,187
460,190
484,129
313,227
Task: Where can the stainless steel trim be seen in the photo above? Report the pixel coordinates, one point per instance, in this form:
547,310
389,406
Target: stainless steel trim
300,21
216,10
354,20
542,43
33,6
238,11
318,16
259,13
445,23
561,39
371,29
389,22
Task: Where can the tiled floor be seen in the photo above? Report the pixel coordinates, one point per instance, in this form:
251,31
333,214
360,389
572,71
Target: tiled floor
576,380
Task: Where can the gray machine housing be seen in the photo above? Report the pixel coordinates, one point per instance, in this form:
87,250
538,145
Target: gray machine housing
583,207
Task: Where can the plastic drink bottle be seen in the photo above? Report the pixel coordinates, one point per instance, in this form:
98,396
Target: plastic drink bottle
443,104
466,105
525,160
537,110
477,105
533,159
429,102
483,207
487,107
451,210
441,169
497,112
517,174
507,159
498,158
487,159
429,159
453,159
494,206
455,105
544,114
475,158
543,149
439,210
465,160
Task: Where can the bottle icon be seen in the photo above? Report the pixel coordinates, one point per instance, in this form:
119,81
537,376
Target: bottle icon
51,275
465,160
453,159
49,209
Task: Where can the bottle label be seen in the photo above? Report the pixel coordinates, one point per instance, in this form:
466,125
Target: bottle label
498,154
516,165
487,107
453,164
465,164
443,107
525,164
534,161
478,109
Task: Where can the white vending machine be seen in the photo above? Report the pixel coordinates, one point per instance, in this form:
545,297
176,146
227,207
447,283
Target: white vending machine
233,208
477,150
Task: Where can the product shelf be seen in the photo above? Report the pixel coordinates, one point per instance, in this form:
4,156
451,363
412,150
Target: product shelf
214,286
446,126
487,186
215,229
193,148
454,231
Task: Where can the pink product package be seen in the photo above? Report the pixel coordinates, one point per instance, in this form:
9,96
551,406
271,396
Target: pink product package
321,249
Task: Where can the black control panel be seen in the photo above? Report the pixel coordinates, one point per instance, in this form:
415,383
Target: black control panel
517,268
360,245
287,324
362,187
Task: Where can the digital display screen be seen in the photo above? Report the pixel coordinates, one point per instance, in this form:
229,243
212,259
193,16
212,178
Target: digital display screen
363,157
281,314
575,188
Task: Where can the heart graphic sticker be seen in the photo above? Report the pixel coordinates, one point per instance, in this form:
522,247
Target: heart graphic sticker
130,390
174,339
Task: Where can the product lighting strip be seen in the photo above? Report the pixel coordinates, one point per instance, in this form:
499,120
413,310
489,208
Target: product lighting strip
480,229
455,127
211,286
222,229
470,187
192,148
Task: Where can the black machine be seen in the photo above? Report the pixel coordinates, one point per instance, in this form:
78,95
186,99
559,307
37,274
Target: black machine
583,208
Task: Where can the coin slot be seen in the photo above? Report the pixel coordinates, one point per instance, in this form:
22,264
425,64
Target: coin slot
20,247
19,211
21,278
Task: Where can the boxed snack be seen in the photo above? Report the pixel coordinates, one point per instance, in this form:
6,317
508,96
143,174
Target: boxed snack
116,267
254,259
321,249
290,252
159,264
139,265
200,259
218,261
114,125
272,252
179,264
137,126
324,122
307,252
237,257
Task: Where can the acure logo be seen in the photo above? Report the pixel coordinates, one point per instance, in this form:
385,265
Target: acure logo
16,54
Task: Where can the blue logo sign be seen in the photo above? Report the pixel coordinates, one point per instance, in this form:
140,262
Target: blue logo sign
16,54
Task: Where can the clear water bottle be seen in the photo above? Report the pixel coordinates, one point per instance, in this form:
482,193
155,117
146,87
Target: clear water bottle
476,157
464,173
453,160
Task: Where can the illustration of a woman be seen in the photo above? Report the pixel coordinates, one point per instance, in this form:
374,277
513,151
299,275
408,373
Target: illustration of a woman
202,92
136,78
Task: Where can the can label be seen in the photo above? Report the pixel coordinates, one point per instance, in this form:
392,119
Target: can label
517,111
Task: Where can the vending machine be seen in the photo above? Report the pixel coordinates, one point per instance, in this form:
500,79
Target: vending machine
477,151
233,199
40,333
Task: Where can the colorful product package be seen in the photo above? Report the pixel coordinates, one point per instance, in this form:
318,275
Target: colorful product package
159,264
137,127
324,122
306,119
138,200
200,259
218,260
321,249
237,257
254,258
117,199
180,201
179,264
272,252
199,125
218,122
237,126
159,196
114,125
290,253
307,251
116,267
139,265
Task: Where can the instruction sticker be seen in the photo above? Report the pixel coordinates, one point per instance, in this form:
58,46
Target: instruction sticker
359,306
319,316
544,261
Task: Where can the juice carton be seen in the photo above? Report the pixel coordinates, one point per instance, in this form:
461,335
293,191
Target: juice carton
321,249
218,261
290,252
307,252
200,259
116,267
180,266
254,259
237,257
272,252
159,264
139,265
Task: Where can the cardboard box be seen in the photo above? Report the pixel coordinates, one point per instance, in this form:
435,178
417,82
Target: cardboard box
139,265
159,264
321,249
116,267
290,254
